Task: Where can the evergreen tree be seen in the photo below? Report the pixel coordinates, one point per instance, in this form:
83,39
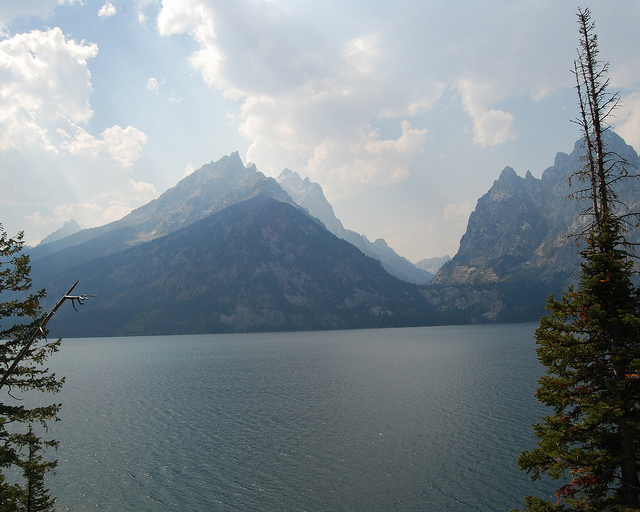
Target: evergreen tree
36,497
590,340
21,368
24,349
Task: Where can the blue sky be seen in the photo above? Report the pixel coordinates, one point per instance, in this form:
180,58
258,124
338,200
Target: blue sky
404,111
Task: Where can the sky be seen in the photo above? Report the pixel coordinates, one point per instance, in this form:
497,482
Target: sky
404,111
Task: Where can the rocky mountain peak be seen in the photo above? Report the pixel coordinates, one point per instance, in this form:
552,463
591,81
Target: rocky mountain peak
508,174
209,189
520,229
69,228
310,196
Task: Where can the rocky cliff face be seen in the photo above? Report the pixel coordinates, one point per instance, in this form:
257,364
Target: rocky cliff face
522,228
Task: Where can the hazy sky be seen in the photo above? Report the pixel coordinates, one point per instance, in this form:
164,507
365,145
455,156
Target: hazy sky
404,111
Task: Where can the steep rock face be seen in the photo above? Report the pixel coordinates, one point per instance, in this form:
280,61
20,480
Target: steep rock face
258,265
521,229
310,196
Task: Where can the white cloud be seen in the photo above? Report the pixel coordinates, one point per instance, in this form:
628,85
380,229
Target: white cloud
124,145
141,6
88,185
44,84
107,10
348,165
45,109
310,92
44,98
306,102
627,119
12,10
491,127
188,169
153,85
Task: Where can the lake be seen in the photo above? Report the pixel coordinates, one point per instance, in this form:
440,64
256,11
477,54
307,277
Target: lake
429,419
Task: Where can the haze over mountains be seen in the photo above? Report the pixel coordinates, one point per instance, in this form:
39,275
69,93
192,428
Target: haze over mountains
228,250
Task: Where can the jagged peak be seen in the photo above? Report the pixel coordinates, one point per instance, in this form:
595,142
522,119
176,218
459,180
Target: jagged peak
508,173
69,228
286,172
561,158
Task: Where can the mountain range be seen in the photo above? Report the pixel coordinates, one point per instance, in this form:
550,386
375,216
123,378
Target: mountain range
225,250
231,250
257,265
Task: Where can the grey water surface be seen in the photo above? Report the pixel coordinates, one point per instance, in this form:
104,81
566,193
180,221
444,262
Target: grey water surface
429,419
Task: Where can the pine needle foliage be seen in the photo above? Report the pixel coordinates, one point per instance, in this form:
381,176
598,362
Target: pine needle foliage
590,340
21,450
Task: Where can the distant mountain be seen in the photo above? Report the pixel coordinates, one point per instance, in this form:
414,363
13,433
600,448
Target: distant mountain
256,265
229,250
69,228
432,265
522,228
209,189
520,242
310,196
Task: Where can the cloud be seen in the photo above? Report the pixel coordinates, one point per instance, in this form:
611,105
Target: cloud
91,182
491,127
124,145
44,85
326,88
153,85
107,10
13,10
627,119
141,6
45,114
44,99
307,101
367,160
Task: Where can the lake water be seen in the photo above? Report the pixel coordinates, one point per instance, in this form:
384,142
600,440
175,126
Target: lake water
429,419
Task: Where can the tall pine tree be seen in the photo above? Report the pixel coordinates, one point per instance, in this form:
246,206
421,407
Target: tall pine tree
590,340
24,350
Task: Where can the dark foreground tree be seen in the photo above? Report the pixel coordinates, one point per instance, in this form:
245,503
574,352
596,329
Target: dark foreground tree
24,349
590,340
